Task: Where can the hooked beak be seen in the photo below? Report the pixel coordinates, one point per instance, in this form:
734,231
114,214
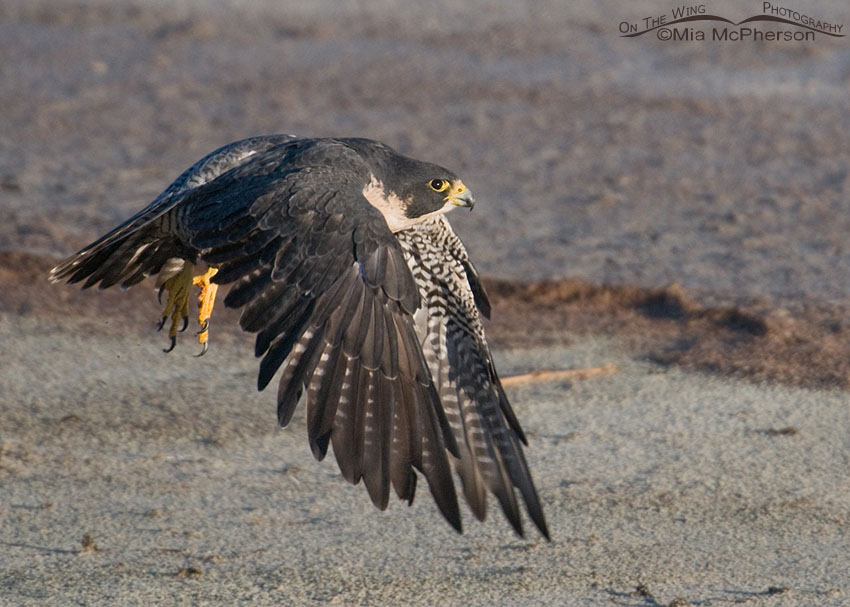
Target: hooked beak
460,196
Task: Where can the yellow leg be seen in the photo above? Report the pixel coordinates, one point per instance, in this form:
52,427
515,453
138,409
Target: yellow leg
177,305
206,301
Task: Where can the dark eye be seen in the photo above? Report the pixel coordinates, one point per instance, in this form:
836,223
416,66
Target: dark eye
439,185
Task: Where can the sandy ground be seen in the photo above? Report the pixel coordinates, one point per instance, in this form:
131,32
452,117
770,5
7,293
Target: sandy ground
711,469
658,485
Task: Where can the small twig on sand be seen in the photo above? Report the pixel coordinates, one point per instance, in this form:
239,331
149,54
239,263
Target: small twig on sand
558,375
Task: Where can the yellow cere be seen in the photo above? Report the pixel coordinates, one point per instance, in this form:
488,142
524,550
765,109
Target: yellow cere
458,189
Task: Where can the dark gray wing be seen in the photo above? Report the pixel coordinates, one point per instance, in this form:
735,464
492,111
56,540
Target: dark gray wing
141,245
325,286
486,430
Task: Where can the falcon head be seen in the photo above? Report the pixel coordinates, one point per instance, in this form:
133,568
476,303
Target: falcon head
426,195
412,191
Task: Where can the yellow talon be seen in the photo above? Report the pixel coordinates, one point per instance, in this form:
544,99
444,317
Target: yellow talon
177,305
206,301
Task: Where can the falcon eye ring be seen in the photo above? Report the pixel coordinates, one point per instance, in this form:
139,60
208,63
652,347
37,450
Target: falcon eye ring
439,185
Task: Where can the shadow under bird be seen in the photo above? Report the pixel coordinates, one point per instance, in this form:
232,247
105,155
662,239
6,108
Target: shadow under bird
339,254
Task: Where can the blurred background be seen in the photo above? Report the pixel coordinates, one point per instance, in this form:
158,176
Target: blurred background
719,166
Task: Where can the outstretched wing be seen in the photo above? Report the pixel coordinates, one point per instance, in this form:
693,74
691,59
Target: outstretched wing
325,286
337,300
140,246
485,428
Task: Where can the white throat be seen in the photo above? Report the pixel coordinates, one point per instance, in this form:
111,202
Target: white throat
392,207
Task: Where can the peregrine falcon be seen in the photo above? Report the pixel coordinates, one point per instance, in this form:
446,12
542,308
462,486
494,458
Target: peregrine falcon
339,254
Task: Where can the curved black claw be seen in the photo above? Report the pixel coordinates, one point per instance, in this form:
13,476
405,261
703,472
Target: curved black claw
171,347
204,327
185,324
204,351
159,295
162,323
